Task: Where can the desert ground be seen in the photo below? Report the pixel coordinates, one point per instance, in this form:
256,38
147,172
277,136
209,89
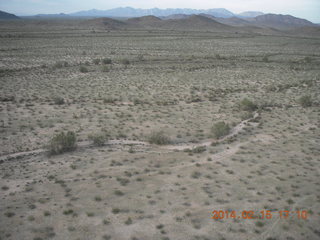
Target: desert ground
127,85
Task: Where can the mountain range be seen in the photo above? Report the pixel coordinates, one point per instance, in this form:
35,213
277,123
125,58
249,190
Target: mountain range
271,23
180,19
129,12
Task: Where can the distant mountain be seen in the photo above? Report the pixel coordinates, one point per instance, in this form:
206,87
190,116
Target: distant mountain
133,12
60,15
192,22
250,14
176,16
232,21
145,21
5,15
196,22
281,22
106,23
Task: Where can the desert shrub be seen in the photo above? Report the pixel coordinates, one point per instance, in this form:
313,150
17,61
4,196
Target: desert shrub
128,221
159,137
58,100
98,139
246,115
125,61
194,98
110,100
83,69
140,57
307,60
106,61
220,129
62,142
305,101
265,59
271,88
96,61
199,149
7,98
60,64
247,105
137,101
105,69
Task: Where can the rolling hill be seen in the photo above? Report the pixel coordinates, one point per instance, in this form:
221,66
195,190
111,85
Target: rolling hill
249,14
281,22
7,16
106,23
192,22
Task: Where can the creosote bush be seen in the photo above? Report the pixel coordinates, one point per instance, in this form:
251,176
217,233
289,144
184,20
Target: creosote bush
98,139
62,142
125,61
83,69
220,129
305,101
60,64
246,115
58,100
247,105
159,137
96,61
105,69
106,61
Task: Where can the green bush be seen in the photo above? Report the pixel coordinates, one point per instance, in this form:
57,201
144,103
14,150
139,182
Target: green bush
199,149
265,59
60,64
58,100
246,115
62,142
105,69
247,105
305,101
96,61
83,69
98,139
110,100
220,129
159,138
125,61
106,61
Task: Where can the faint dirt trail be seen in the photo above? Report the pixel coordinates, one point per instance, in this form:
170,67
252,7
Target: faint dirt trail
85,144
207,143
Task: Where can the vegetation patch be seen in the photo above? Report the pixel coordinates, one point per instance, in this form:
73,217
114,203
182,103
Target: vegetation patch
159,138
305,101
247,105
62,142
220,129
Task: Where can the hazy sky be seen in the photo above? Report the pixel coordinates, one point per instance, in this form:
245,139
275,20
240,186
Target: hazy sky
309,9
